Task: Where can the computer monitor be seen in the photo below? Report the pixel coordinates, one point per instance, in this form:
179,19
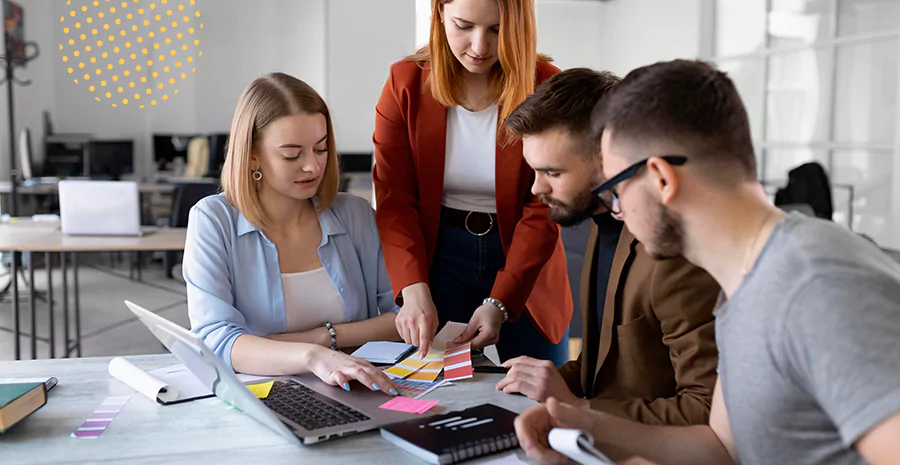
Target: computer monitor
168,147
356,162
110,159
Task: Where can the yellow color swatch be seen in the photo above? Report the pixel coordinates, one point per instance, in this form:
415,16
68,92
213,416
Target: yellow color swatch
406,367
429,372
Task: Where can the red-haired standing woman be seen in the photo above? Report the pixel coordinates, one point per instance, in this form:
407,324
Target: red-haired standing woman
464,239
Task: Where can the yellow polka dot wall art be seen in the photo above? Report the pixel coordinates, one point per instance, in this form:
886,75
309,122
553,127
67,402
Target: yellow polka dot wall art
149,47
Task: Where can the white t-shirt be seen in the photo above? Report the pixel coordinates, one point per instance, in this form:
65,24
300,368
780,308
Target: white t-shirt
469,169
310,300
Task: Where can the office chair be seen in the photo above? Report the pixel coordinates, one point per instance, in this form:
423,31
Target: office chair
808,184
25,158
184,198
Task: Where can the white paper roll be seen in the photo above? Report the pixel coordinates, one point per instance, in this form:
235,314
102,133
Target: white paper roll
140,381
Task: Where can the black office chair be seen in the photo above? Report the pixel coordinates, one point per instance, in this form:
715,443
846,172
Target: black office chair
808,184
184,197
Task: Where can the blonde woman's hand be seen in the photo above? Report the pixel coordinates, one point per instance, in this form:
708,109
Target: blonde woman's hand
338,369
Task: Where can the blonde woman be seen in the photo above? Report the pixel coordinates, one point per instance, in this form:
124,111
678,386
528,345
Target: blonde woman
281,270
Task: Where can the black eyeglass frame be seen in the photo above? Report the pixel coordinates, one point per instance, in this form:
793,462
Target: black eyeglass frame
628,173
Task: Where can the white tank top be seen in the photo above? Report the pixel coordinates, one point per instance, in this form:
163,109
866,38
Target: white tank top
310,300
471,156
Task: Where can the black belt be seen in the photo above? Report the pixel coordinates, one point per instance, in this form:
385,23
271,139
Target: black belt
476,223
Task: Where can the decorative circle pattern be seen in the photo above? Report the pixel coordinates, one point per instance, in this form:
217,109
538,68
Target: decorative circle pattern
131,51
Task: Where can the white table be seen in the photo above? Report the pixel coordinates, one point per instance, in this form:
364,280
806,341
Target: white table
26,236
201,431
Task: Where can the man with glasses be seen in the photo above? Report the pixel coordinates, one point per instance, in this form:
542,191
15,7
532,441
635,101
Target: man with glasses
809,358
649,349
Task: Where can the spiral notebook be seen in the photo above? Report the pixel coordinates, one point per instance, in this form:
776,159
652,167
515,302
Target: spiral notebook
456,436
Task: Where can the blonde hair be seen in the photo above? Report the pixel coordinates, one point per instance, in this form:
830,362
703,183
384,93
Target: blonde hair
266,99
512,77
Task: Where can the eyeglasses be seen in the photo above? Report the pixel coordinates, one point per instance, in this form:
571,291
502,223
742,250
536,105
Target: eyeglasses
610,199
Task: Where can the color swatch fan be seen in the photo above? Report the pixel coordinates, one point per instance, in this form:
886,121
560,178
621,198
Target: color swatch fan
455,360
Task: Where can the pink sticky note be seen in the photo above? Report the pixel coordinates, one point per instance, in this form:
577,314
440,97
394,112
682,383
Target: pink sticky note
409,405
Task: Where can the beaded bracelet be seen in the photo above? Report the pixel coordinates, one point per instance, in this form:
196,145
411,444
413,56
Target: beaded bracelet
333,336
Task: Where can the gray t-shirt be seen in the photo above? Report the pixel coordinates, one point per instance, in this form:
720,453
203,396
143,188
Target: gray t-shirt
809,346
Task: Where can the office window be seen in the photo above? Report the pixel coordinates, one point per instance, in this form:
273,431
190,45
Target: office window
820,80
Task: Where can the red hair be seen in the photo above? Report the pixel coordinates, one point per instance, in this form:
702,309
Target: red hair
512,78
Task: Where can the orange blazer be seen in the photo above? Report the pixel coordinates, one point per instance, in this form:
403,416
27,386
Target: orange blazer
410,143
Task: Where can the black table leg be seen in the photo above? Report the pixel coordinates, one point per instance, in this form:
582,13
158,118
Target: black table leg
48,263
77,305
31,305
65,289
15,296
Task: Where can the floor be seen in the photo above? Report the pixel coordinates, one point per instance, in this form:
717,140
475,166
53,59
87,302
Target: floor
108,327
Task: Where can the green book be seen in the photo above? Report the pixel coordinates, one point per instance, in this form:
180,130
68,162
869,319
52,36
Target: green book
18,400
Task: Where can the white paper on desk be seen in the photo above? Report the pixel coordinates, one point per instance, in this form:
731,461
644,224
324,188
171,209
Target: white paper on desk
179,379
141,381
185,383
189,385
382,351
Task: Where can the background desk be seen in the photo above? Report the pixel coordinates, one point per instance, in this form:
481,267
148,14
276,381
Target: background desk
200,431
49,189
25,236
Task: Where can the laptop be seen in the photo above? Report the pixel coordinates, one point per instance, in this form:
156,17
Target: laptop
301,408
100,208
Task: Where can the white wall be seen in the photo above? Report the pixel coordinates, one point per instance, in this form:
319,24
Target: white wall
618,35
364,38
248,39
571,32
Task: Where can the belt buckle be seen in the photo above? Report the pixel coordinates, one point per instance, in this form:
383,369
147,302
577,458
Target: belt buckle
490,226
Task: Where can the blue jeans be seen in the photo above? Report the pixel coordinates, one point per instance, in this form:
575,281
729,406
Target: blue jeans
462,276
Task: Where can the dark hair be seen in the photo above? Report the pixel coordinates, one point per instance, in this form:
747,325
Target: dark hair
566,101
687,103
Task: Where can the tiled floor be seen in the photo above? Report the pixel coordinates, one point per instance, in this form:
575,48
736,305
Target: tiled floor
108,328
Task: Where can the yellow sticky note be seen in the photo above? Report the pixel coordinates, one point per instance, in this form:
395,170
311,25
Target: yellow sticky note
261,390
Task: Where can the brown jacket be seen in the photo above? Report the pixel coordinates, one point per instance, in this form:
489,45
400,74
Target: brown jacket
654,361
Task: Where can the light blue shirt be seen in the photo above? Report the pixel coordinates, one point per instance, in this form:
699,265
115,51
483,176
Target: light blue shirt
233,278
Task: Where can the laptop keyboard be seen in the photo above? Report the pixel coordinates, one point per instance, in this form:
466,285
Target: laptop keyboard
308,408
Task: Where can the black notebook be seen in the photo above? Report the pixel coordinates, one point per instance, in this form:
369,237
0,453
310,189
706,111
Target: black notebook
456,436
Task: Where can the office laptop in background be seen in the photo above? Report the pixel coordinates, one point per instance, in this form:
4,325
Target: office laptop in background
100,208
300,408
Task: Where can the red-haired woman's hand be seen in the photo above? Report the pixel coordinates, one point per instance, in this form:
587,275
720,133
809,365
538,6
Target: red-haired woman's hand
417,321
